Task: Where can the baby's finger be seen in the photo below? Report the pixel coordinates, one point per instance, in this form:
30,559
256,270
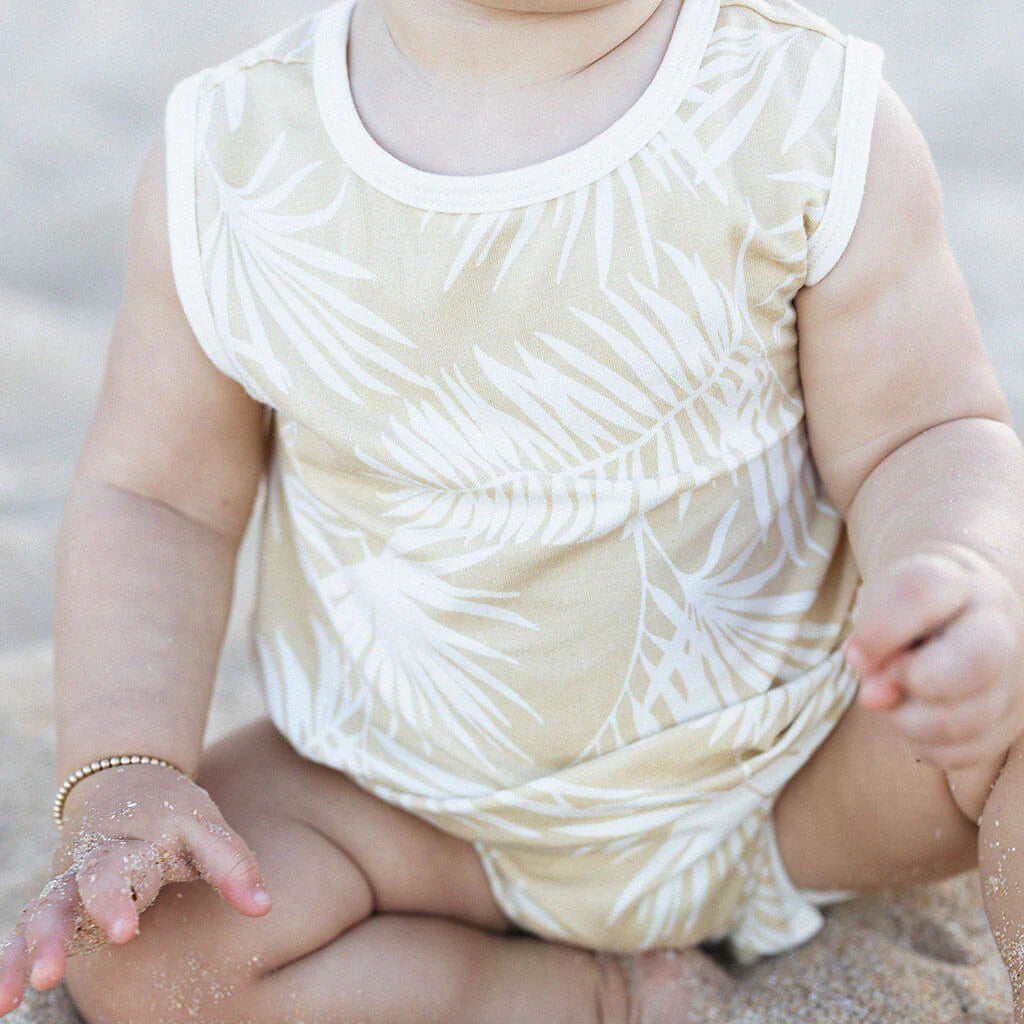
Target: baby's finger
228,864
49,924
112,881
914,600
14,964
961,661
883,690
878,694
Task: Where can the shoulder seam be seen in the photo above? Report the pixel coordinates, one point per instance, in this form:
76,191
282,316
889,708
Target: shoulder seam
828,31
218,76
289,46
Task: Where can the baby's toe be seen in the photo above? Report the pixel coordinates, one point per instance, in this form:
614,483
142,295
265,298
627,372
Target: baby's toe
675,987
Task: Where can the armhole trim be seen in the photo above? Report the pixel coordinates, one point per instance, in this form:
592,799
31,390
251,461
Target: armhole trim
862,76
180,127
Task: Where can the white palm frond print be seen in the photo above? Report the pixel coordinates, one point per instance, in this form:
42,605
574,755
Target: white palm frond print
516,806
568,214
321,713
685,858
590,446
256,257
823,74
738,60
678,155
672,857
777,500
670,890
662,889
428,676
698,638
550,810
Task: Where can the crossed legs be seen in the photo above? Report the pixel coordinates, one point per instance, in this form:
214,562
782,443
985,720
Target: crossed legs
380,918
377,917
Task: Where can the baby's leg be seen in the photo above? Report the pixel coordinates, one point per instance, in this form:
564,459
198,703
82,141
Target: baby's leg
865,813
377,917
1001,864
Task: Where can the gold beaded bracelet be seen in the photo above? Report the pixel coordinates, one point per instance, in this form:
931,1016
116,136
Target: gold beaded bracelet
97,766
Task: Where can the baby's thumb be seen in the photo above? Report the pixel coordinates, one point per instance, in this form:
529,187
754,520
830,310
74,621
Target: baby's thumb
226,862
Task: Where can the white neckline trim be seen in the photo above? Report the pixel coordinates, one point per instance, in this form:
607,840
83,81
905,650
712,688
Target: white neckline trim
521,186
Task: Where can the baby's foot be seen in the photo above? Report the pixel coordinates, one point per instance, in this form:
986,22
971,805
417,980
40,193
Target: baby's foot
674,987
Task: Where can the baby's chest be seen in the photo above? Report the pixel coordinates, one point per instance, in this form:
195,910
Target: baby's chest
606,332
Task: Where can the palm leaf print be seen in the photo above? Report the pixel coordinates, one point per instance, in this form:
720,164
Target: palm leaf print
775,916
735,404
683,153
318,713
551,811
716,827
586,449
600,197
590,446
257,260
823,74
518,804
714,626
679,873
737,59
422,673
679,153
676,853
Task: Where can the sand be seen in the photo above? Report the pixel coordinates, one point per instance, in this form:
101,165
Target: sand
85,82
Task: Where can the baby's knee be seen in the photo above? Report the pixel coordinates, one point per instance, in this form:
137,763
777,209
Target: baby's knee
971,787
187,963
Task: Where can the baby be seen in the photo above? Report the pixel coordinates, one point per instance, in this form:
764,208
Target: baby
597,616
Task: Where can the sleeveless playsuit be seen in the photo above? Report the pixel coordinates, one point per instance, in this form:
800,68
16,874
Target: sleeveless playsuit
545,558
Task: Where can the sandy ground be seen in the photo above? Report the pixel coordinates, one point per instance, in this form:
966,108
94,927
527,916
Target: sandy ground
85,82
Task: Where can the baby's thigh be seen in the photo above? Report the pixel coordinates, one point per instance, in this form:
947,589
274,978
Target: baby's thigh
866,812
330,854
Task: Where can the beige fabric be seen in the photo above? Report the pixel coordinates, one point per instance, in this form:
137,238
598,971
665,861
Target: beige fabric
545,559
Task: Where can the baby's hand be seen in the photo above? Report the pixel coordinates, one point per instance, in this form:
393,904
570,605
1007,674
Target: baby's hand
133,830
939,645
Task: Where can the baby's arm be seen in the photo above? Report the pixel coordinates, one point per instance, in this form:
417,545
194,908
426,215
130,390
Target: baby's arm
914,443
162,493
161,496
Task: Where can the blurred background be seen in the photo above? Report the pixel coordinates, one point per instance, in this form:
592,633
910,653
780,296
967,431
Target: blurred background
84,84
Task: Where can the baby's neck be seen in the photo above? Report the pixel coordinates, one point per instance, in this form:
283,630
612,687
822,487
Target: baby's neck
468,46
435,124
